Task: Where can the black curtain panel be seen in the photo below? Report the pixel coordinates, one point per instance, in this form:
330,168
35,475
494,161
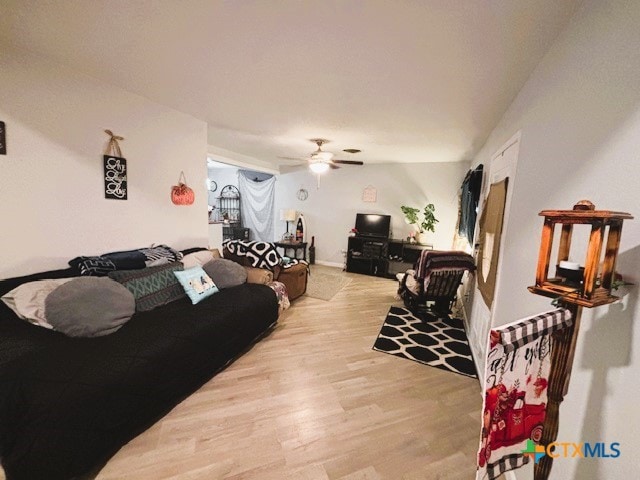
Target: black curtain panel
471,186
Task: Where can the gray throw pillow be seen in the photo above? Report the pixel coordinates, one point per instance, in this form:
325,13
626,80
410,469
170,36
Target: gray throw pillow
89,307
225,273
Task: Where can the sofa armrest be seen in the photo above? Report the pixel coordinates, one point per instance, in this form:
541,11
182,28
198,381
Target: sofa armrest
259,275
295,279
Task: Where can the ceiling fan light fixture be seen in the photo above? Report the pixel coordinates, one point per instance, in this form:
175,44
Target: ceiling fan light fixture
319,167
322,156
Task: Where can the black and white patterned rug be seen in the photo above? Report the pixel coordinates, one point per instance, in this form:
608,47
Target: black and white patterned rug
437,342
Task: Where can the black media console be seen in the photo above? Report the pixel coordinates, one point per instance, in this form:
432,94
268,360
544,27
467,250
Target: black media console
382,257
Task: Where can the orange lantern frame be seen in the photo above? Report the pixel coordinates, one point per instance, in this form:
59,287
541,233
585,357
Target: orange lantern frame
593,290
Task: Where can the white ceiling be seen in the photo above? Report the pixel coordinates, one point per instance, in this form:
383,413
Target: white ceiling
404,81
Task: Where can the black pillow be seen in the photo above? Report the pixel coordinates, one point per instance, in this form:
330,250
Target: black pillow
101,265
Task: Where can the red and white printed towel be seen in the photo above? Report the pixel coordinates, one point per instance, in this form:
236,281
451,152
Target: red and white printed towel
515,398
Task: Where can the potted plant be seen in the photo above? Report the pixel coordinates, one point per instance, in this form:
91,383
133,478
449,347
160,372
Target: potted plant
428,223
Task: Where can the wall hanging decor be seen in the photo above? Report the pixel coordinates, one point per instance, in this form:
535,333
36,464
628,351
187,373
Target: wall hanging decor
369,194
181,194
518,364
489,239
302,194
115,170
3,139
469,200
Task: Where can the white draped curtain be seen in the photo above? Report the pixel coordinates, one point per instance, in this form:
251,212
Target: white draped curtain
256,206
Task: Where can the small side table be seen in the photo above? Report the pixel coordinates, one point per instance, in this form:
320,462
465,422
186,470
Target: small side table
295,246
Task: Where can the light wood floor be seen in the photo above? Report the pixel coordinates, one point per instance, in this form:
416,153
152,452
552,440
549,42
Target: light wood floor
314,401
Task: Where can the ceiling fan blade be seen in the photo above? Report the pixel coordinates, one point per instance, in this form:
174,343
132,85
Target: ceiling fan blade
299,159
333,167
348,162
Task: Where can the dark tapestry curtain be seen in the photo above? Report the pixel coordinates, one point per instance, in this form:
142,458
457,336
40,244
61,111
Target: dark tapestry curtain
471,186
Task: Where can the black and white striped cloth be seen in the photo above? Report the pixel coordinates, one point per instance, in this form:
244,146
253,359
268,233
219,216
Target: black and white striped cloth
159,255
527,330
506,463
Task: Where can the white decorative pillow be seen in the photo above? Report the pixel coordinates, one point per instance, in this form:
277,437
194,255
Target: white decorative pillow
27,300
197,259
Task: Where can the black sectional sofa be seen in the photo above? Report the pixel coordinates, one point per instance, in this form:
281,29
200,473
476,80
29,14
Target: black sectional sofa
68,404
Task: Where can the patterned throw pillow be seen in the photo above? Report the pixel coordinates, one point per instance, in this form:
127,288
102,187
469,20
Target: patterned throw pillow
196,283
153,286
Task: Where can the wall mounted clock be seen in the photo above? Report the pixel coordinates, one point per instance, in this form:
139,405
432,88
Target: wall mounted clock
302,194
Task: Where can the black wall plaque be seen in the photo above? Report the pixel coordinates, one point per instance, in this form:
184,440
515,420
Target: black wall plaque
3,139
115,177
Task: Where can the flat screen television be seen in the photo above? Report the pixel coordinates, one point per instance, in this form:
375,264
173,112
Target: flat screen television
372,225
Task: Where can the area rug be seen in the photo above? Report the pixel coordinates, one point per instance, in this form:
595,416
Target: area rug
437,342
325,285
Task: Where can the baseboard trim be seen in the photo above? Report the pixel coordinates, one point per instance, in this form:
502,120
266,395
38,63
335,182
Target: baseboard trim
329,264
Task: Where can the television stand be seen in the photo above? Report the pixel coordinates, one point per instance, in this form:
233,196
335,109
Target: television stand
382,257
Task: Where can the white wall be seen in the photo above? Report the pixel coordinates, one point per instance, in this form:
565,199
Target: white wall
52,194
330,211
580,119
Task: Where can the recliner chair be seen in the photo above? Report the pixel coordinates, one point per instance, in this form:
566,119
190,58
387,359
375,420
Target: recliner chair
294,277
433,283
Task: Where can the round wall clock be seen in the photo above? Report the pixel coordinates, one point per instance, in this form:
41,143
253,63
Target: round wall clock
302,194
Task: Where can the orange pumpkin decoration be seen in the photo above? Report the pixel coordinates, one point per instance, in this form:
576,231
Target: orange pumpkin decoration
181,194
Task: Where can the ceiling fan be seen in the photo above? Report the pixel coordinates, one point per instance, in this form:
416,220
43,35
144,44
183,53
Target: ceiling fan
320,161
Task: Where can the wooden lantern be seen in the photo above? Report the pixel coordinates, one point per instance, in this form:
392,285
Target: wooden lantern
593,287
589,286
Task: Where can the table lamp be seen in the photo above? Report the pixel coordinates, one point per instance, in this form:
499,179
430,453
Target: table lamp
288,215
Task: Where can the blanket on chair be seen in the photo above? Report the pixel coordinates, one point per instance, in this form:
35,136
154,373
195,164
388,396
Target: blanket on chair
438,260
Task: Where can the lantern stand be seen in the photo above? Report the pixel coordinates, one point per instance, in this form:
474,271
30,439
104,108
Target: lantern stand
576,288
